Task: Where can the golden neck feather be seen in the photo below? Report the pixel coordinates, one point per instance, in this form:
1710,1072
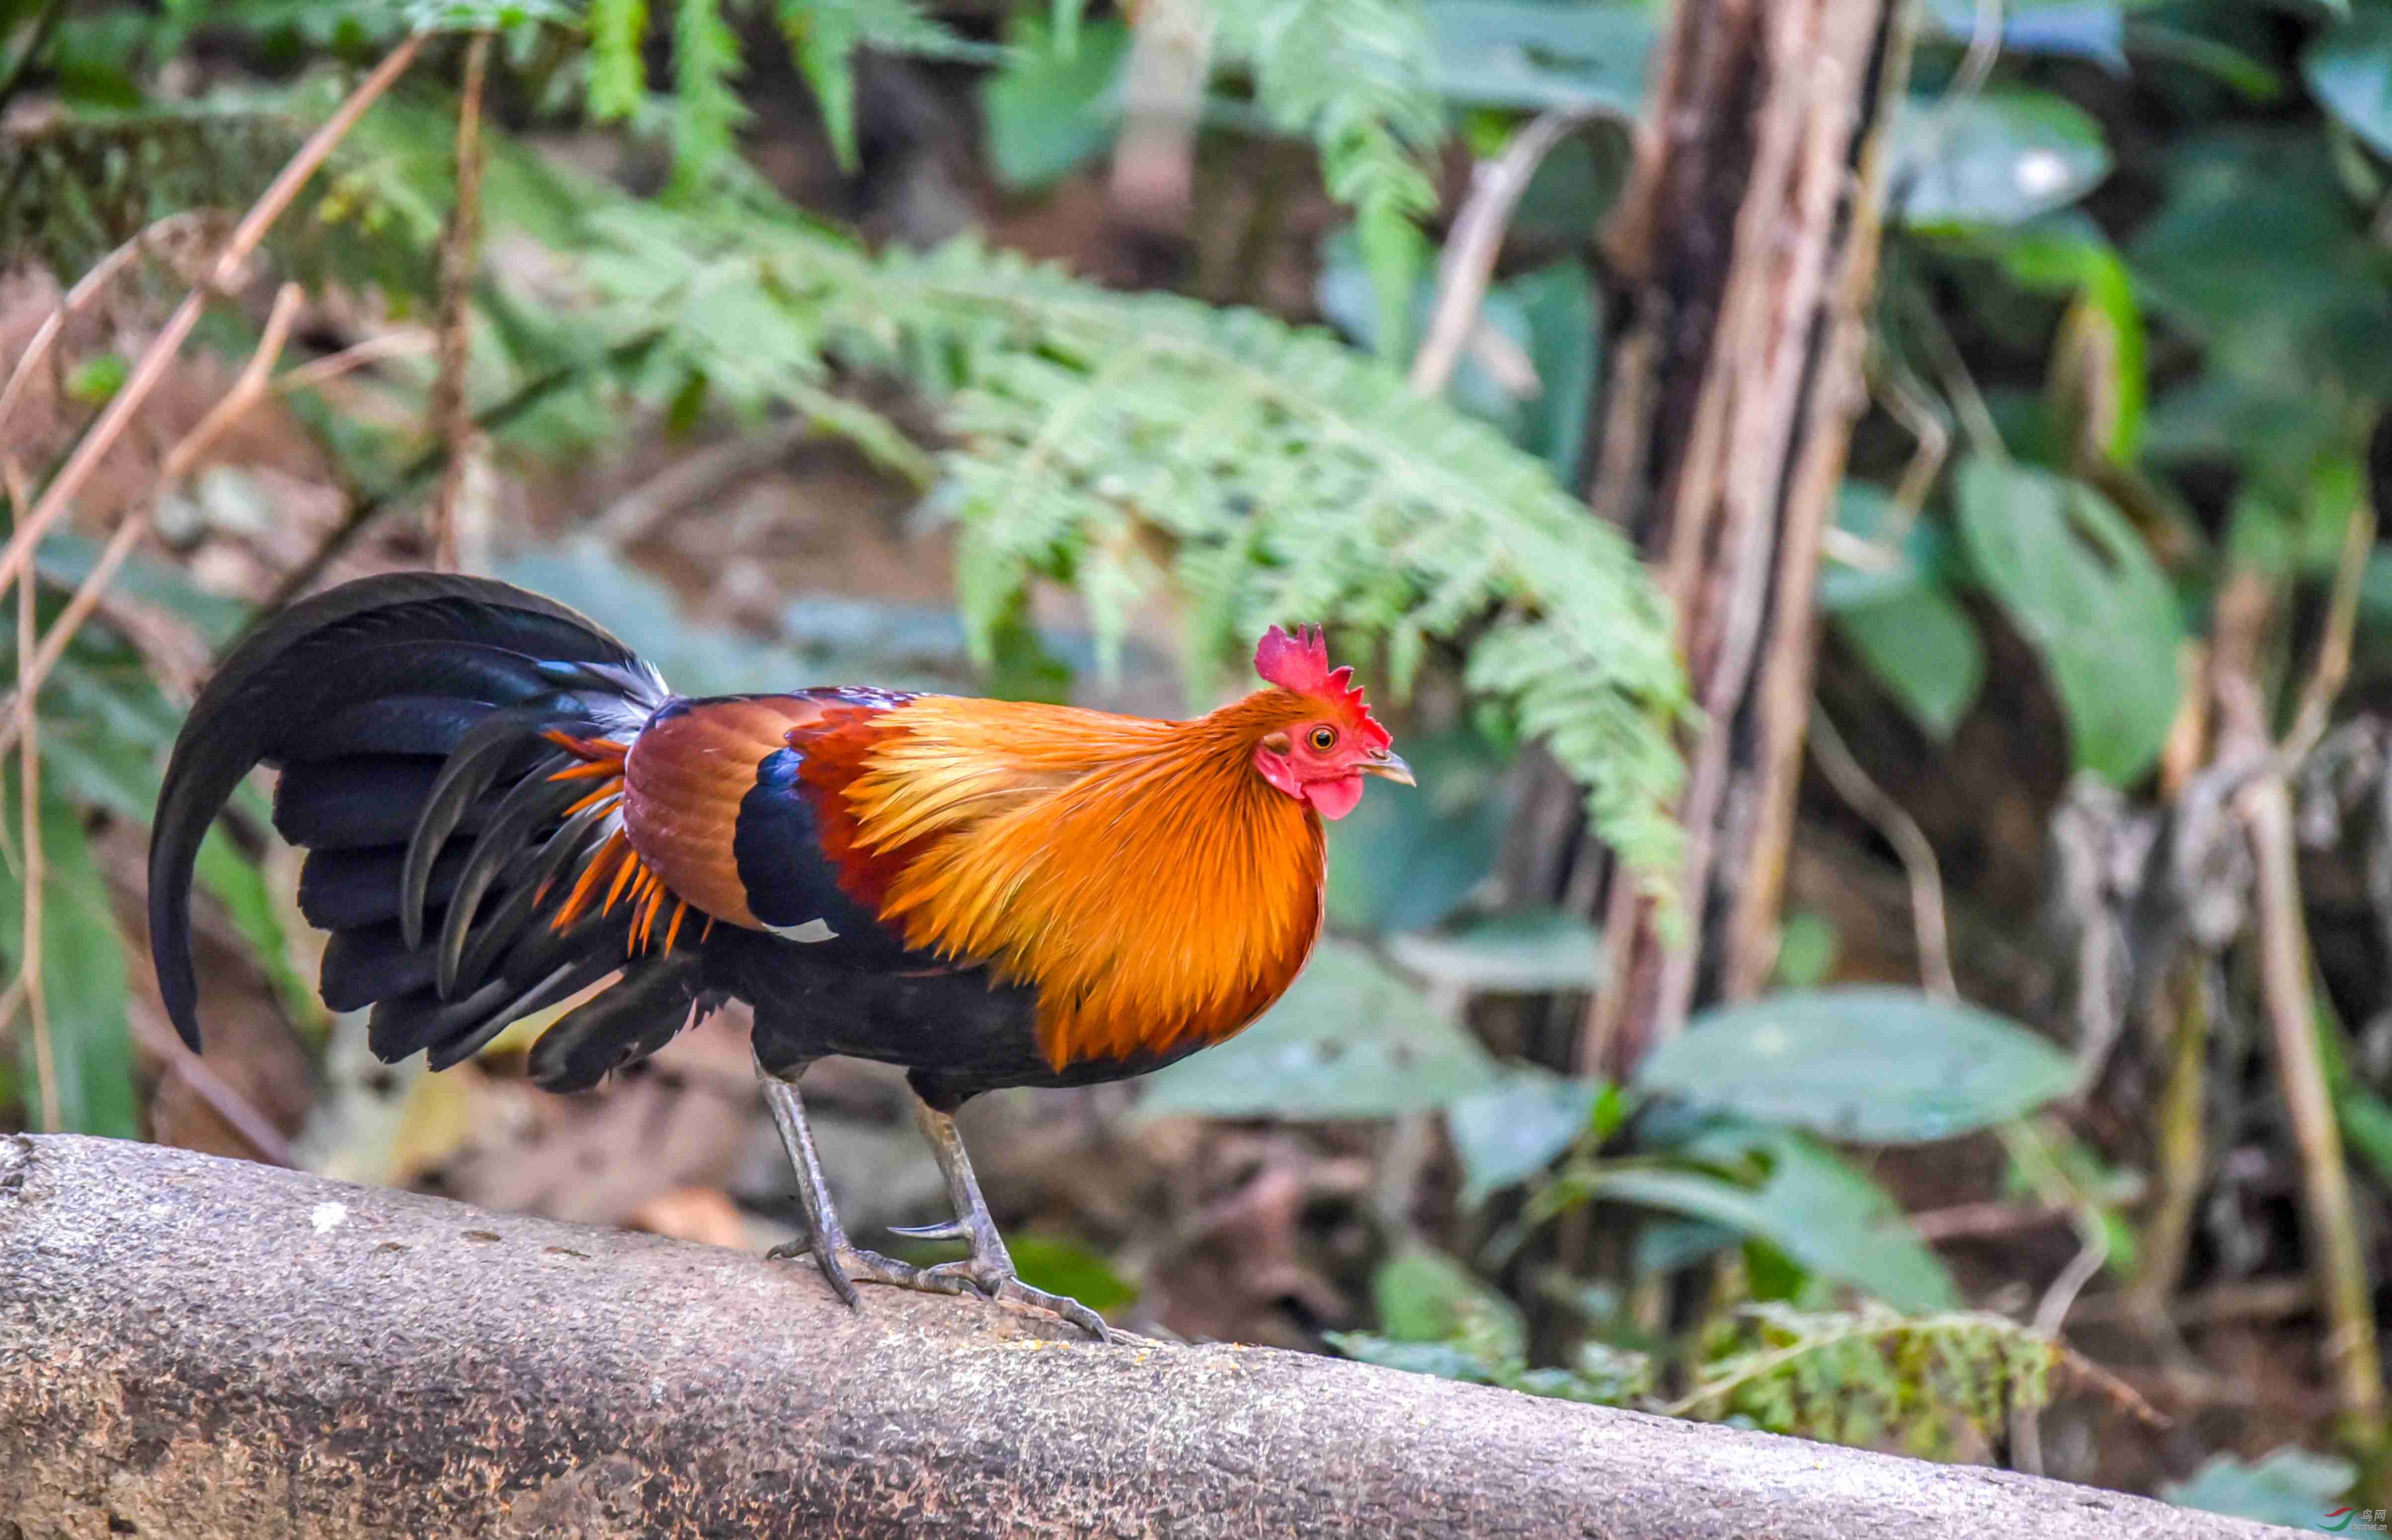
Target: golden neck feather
1141,874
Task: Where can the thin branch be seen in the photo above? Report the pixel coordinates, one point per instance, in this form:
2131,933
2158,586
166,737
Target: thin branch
1905,399
2330,1219
237,1112
2028,1152
247,391
90,287
630,518
2180,1143
1901,831
2332,666
1986,1220
1477,239
2111,1388
43,30
429,463
319,372
161,352
35,871
460,245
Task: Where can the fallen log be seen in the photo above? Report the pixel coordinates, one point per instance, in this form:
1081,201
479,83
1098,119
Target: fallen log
196,1349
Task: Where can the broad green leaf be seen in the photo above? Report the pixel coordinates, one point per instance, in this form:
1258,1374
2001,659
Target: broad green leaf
2197,47
1870,1064
1515,1127
1444,1360
83,980
1536,55
1999,157
1866,563
2260,253
2289,1486
2083,29
67,558
1530,953
1923,648
1425,1296
1809,1202
2082,588
2349,69
1052,109
1807,945
1068,1268
1564,311
1349,1039
2068,253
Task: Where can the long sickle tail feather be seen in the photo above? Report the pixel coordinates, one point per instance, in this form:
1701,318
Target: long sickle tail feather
434,735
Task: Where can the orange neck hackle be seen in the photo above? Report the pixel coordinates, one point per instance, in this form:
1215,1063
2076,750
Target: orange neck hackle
1143,874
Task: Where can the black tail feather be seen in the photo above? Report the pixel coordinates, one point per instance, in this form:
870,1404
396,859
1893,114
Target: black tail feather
350,889
369,964
490,748
507,843
363,697
629,1021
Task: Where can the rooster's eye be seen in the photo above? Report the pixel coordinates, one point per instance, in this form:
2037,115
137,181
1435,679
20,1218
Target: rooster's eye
1323,739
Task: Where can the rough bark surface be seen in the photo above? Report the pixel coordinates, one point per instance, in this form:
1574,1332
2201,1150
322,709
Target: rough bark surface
195,1348
1746,244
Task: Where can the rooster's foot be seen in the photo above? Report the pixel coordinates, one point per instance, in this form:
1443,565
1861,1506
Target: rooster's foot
844,1266
993,1278
989,1268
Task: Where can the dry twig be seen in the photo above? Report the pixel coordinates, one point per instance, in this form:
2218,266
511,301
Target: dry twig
632,517
33,873
460,244
152,368
88,288
247,391
2330,1221
1477,239
1901,831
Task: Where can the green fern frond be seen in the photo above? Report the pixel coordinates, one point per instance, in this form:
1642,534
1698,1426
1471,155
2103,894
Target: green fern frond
824,34
618,75
1297,479
1358,77
706,109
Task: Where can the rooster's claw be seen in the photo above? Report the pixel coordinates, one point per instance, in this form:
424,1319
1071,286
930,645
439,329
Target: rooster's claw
995,1279
843,1266
953,1229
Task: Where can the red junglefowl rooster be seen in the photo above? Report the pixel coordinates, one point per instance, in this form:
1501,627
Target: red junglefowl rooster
502,806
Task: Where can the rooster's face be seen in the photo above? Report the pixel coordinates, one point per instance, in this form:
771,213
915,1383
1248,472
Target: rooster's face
1320,758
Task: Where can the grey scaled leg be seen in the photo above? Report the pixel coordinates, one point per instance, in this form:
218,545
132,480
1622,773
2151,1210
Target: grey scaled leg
990,1267
825,1240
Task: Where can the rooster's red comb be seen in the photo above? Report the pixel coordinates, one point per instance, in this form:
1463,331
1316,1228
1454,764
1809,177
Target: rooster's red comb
1300,663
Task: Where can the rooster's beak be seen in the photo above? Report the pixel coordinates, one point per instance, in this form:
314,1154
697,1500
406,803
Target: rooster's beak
1389,766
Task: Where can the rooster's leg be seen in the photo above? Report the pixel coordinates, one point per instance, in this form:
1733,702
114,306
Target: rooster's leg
990,1267
826,1239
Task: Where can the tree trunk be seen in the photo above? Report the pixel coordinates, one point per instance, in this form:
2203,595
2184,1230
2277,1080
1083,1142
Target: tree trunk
195,1349
1746,244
